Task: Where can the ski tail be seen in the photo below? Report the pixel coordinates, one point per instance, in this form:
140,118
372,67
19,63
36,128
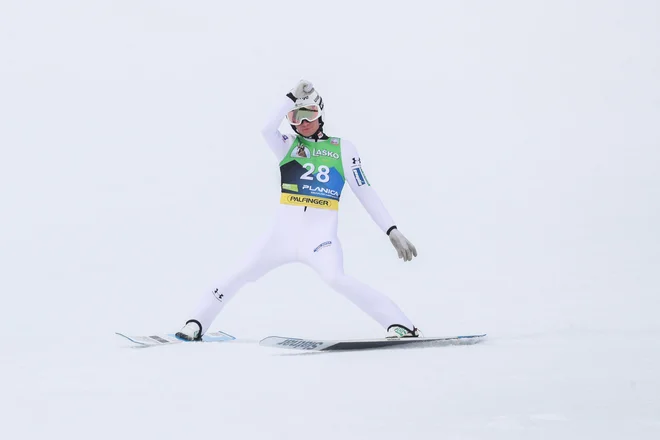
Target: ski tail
158,339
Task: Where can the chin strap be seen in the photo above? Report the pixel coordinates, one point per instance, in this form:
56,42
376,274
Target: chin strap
320,136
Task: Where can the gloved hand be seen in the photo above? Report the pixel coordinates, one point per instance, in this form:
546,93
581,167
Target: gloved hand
403,247
303,89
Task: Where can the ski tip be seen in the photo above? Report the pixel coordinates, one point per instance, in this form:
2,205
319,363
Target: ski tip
473,336
130,339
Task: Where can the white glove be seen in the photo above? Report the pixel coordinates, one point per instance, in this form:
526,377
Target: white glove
403,247
303,89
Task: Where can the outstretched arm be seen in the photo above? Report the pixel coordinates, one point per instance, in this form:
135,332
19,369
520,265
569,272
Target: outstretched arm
361,187
279,143
363,190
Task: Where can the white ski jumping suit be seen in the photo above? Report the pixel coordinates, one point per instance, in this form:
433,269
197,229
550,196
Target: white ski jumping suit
305,226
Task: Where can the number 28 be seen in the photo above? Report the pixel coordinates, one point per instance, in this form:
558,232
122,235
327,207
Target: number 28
322,176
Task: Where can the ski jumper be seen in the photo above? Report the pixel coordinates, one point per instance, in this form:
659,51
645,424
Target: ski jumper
304,230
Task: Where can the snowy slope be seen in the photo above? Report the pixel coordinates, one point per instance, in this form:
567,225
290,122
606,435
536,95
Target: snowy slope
526,176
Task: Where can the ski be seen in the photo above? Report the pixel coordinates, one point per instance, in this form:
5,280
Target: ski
170,339
364,344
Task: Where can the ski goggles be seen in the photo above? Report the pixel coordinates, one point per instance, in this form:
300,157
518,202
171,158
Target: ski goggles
308,113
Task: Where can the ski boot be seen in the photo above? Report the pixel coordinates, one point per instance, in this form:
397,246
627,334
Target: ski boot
192,331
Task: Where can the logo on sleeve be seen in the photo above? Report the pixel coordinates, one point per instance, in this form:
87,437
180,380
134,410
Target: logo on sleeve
359,176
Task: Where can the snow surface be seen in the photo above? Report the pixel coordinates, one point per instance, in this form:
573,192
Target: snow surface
516,143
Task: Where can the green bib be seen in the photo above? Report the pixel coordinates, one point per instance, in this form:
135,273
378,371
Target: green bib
312,173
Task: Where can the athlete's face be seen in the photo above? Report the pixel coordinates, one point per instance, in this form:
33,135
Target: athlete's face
308,128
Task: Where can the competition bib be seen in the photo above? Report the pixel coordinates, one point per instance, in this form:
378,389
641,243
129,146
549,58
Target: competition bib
312,174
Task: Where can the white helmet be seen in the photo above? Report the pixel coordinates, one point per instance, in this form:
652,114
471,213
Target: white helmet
312,99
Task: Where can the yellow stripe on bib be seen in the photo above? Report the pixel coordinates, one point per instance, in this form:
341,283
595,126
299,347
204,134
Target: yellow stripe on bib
312,202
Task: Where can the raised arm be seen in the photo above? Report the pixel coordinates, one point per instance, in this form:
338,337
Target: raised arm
357,180
278,142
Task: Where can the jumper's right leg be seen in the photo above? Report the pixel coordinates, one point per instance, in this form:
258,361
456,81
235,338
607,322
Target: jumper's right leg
264,256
